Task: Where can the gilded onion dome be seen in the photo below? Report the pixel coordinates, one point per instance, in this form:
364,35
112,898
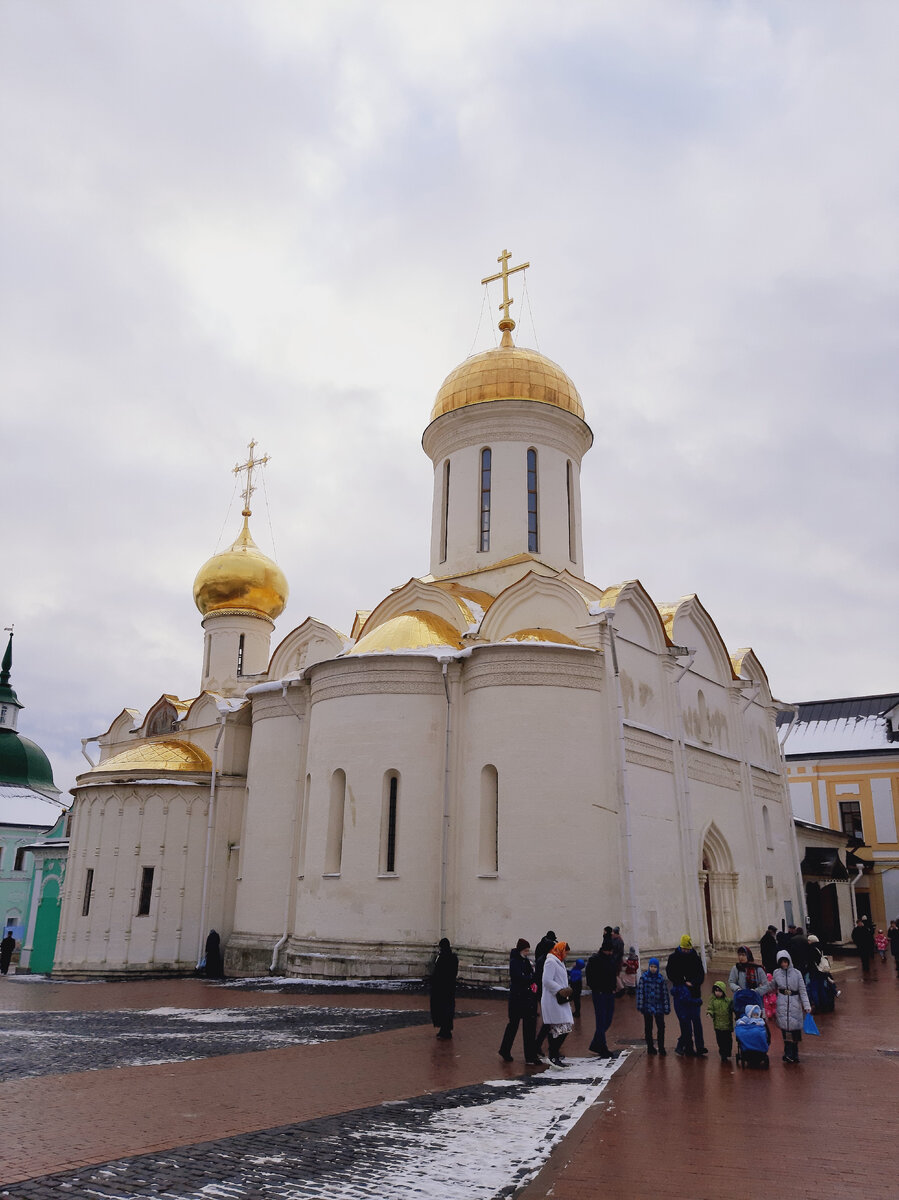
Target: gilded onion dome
507,373
241,577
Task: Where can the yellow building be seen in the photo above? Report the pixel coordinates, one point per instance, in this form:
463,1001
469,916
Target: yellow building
843,769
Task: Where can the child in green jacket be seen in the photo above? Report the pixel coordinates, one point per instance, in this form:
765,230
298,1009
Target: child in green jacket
721,1010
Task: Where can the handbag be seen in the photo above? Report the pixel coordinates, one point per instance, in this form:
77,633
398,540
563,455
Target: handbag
563,994
809,1026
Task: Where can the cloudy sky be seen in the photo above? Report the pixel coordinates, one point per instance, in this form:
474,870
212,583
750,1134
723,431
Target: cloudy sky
224,220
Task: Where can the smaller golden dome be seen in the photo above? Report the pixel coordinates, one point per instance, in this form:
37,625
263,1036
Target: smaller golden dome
167,756
507,373
541,635
418,630
241,577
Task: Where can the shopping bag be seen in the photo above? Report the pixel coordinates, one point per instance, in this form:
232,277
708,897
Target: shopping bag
809,1026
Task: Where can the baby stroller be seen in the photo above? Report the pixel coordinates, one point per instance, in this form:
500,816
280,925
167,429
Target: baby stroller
744,997
753,1038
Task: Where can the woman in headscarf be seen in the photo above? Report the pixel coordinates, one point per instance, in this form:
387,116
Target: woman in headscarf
792,1004
554,1001
747,973
443,989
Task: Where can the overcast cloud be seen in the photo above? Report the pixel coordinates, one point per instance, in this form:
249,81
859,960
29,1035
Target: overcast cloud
231,220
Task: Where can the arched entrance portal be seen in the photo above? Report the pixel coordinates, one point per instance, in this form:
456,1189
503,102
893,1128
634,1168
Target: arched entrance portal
718,883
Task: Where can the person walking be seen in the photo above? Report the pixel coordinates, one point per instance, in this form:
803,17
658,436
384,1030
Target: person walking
768,949
864,943
215,963
576,979
893,939
792,1004
602,980
554,1001
522,1004
686,973
7,946
443,989
544,946
881,944
654,1003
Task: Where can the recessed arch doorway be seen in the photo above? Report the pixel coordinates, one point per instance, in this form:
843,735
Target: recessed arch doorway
718,883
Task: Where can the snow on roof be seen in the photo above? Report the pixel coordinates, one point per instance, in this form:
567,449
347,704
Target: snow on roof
854,725
23,806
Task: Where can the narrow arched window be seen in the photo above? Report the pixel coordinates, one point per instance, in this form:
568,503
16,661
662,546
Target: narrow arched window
334,844
303,817
488,847
484,542
532,501
444,519
569,484
766,821
240,656
388,823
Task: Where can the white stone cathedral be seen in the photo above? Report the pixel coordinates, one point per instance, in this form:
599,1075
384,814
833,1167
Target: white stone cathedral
499,748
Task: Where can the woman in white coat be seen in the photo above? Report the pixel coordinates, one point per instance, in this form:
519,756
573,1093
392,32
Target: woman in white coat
792,1004
554,1001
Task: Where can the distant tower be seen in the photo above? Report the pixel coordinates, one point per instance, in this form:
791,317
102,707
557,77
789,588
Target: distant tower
22,762
240,592
506,437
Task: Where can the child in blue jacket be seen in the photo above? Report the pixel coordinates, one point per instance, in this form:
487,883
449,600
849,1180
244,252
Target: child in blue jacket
576,979
653,1001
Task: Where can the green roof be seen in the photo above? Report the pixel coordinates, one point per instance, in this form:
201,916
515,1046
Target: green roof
23,761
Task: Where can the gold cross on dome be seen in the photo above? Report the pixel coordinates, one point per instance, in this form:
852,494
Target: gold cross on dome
506,324
249,466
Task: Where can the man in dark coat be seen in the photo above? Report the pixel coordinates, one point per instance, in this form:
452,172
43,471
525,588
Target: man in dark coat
864,943
893,935
443,989
686,973
522,1004
768,948
799,950
7,946
602,980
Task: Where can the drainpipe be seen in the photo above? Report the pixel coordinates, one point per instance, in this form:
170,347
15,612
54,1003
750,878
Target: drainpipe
797,865
852,883
209,825
623,790
444,850
291,889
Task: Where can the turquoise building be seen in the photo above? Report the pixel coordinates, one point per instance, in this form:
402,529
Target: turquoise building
33,837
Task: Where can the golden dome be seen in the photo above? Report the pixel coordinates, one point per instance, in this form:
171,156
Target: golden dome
156,756
541,635
417,630
507,373
241,577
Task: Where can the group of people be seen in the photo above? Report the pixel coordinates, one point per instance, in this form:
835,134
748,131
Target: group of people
776,989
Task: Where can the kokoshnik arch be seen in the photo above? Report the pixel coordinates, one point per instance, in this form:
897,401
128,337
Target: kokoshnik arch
498,745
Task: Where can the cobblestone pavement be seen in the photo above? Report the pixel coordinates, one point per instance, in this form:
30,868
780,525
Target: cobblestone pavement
481,1142
55,1043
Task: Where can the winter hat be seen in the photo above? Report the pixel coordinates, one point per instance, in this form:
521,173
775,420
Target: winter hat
632,950
579,962
656,961
686,942
720,987
812,940
522,944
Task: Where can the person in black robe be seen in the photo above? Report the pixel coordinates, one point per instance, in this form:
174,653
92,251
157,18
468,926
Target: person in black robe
768,948
443,989
215,964
522,1004
7,946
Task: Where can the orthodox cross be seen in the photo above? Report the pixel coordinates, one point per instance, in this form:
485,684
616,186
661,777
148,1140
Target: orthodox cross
249,466
506,324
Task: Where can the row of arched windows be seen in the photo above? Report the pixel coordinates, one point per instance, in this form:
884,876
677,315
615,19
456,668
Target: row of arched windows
485,490
488,834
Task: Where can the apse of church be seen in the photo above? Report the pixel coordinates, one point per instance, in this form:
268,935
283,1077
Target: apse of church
499,746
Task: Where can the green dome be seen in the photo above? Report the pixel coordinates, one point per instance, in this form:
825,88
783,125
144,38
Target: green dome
24,762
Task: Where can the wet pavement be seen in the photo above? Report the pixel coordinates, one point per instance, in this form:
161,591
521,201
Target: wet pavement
183,1089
